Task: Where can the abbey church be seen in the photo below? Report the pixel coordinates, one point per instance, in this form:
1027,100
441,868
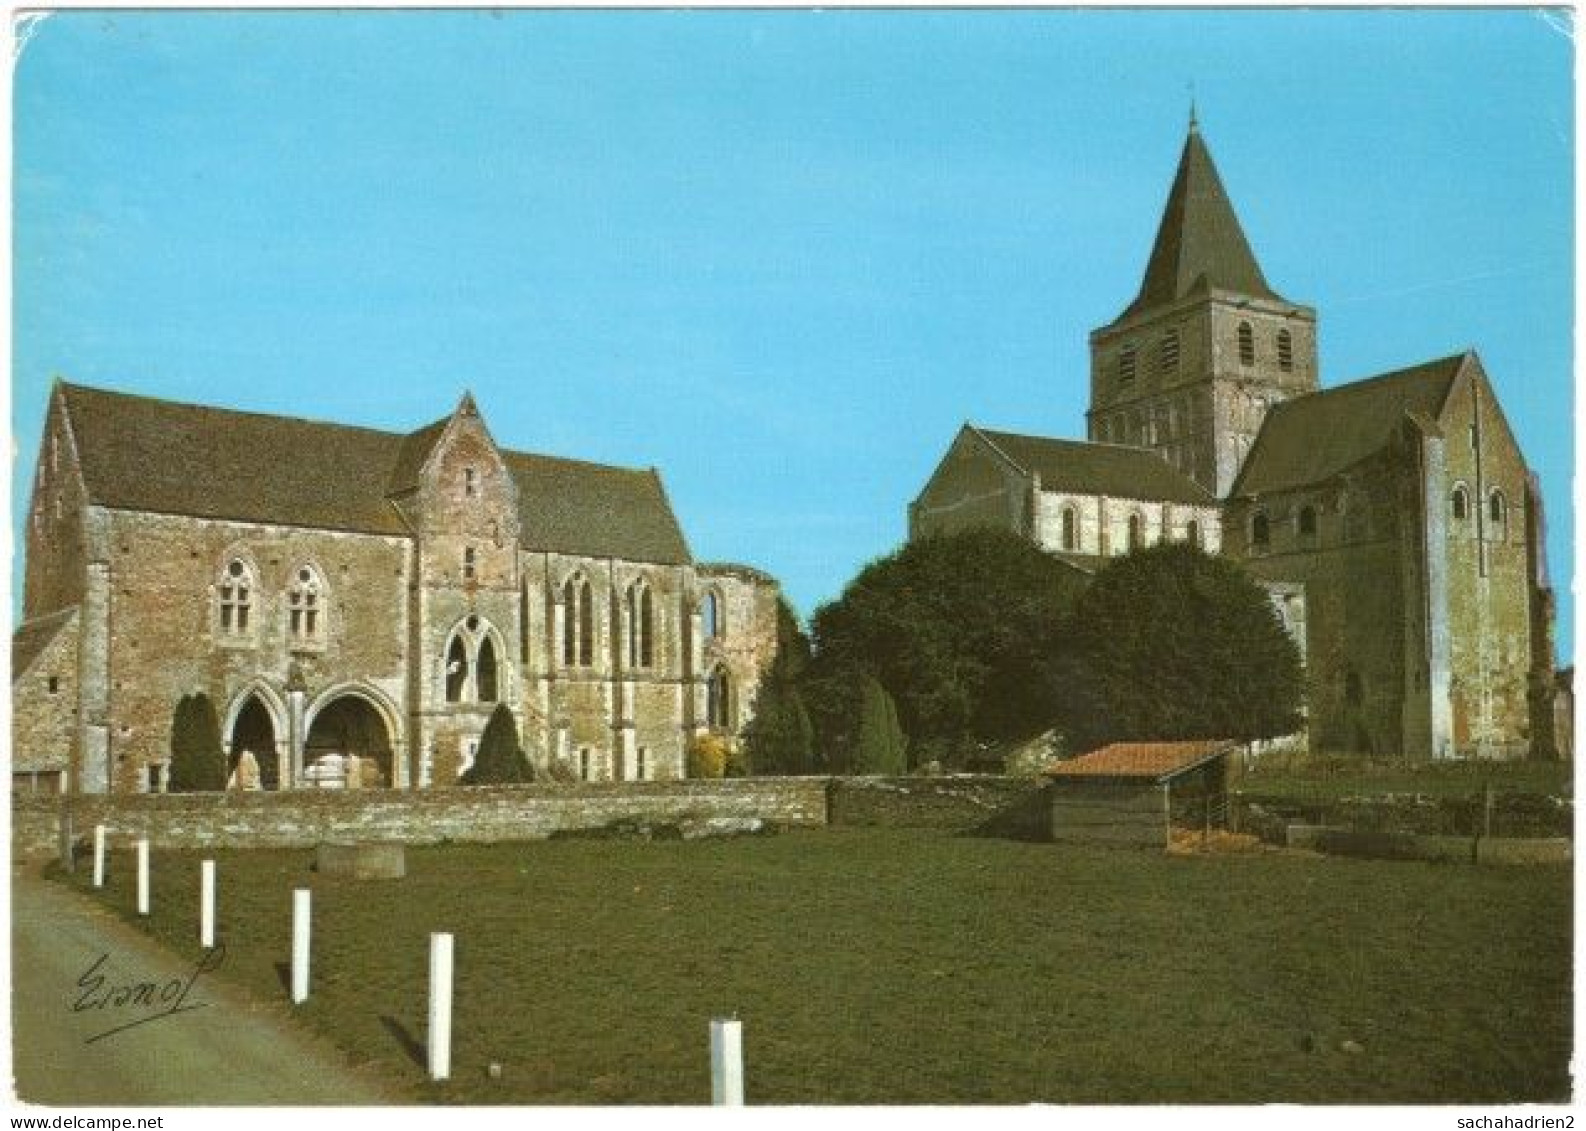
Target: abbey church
352,597
1393,519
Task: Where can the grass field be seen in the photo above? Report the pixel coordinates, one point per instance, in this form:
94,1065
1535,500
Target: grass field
906,966
1329,779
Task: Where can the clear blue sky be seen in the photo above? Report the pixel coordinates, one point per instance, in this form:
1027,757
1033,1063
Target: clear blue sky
781,255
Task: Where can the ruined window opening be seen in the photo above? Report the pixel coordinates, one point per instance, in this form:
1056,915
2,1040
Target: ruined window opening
1126,363
54,684
718,695
585,764
1070,529
1260,530
1247,344
236,598
456,670
710,615
1461,504
470,482
1136,532
1285,350
642,767
485,671
1192,533
470,563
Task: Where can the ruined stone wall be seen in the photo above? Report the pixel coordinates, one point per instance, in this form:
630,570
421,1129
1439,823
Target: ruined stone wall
45,706
1354,600
305,818
746,641
163,637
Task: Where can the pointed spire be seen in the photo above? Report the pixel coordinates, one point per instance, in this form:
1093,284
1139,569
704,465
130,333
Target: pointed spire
466,406
1199,244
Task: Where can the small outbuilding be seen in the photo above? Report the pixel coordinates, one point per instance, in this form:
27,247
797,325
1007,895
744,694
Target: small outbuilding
1132,793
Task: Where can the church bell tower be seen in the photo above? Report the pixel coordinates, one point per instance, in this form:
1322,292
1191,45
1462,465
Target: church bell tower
1191,366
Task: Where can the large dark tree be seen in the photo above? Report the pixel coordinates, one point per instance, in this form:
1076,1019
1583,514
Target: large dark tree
198,761
963,631
780,739
1171,643
500,760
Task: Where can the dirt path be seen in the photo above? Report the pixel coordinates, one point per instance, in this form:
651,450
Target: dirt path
217,1048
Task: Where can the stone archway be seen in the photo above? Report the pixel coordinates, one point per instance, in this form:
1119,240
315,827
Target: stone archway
351,724
253,730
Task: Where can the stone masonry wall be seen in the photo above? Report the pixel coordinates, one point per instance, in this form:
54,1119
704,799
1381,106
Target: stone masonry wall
504,813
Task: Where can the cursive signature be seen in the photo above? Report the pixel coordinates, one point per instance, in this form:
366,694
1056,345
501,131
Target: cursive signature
141,1001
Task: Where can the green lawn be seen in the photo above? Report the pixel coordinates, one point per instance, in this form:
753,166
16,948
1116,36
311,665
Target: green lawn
906,966
1329,779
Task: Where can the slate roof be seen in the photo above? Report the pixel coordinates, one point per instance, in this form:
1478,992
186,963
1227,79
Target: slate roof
1086,468
1157,761
1311,438
30,638
1200,245
144,454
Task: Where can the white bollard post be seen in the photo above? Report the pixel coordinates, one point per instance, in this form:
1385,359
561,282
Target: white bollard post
300,915
143,876
99,856
440,1030
726,1062
206,905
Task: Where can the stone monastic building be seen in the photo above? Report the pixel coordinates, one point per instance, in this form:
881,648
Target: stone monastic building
1393,519
342,591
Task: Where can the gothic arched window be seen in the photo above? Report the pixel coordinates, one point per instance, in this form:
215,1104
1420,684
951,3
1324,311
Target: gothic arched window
456,669
711,621
1247,344
305,606
235,593
1459,502
485,681
639,626
578,622
718,700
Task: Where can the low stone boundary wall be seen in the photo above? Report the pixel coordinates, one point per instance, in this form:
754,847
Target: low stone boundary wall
1436,849
303,818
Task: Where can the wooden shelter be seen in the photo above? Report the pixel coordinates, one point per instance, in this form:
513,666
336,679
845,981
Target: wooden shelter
1131,793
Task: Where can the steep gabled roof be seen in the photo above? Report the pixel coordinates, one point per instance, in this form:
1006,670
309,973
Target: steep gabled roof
30,638
1311,438
1097,469
1200,245
570,507
140,453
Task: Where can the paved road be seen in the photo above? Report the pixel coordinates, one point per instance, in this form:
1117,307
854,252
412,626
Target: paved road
230,1051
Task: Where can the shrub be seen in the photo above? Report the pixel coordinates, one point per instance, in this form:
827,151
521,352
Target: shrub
198,760
500,760
880,746
707,756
